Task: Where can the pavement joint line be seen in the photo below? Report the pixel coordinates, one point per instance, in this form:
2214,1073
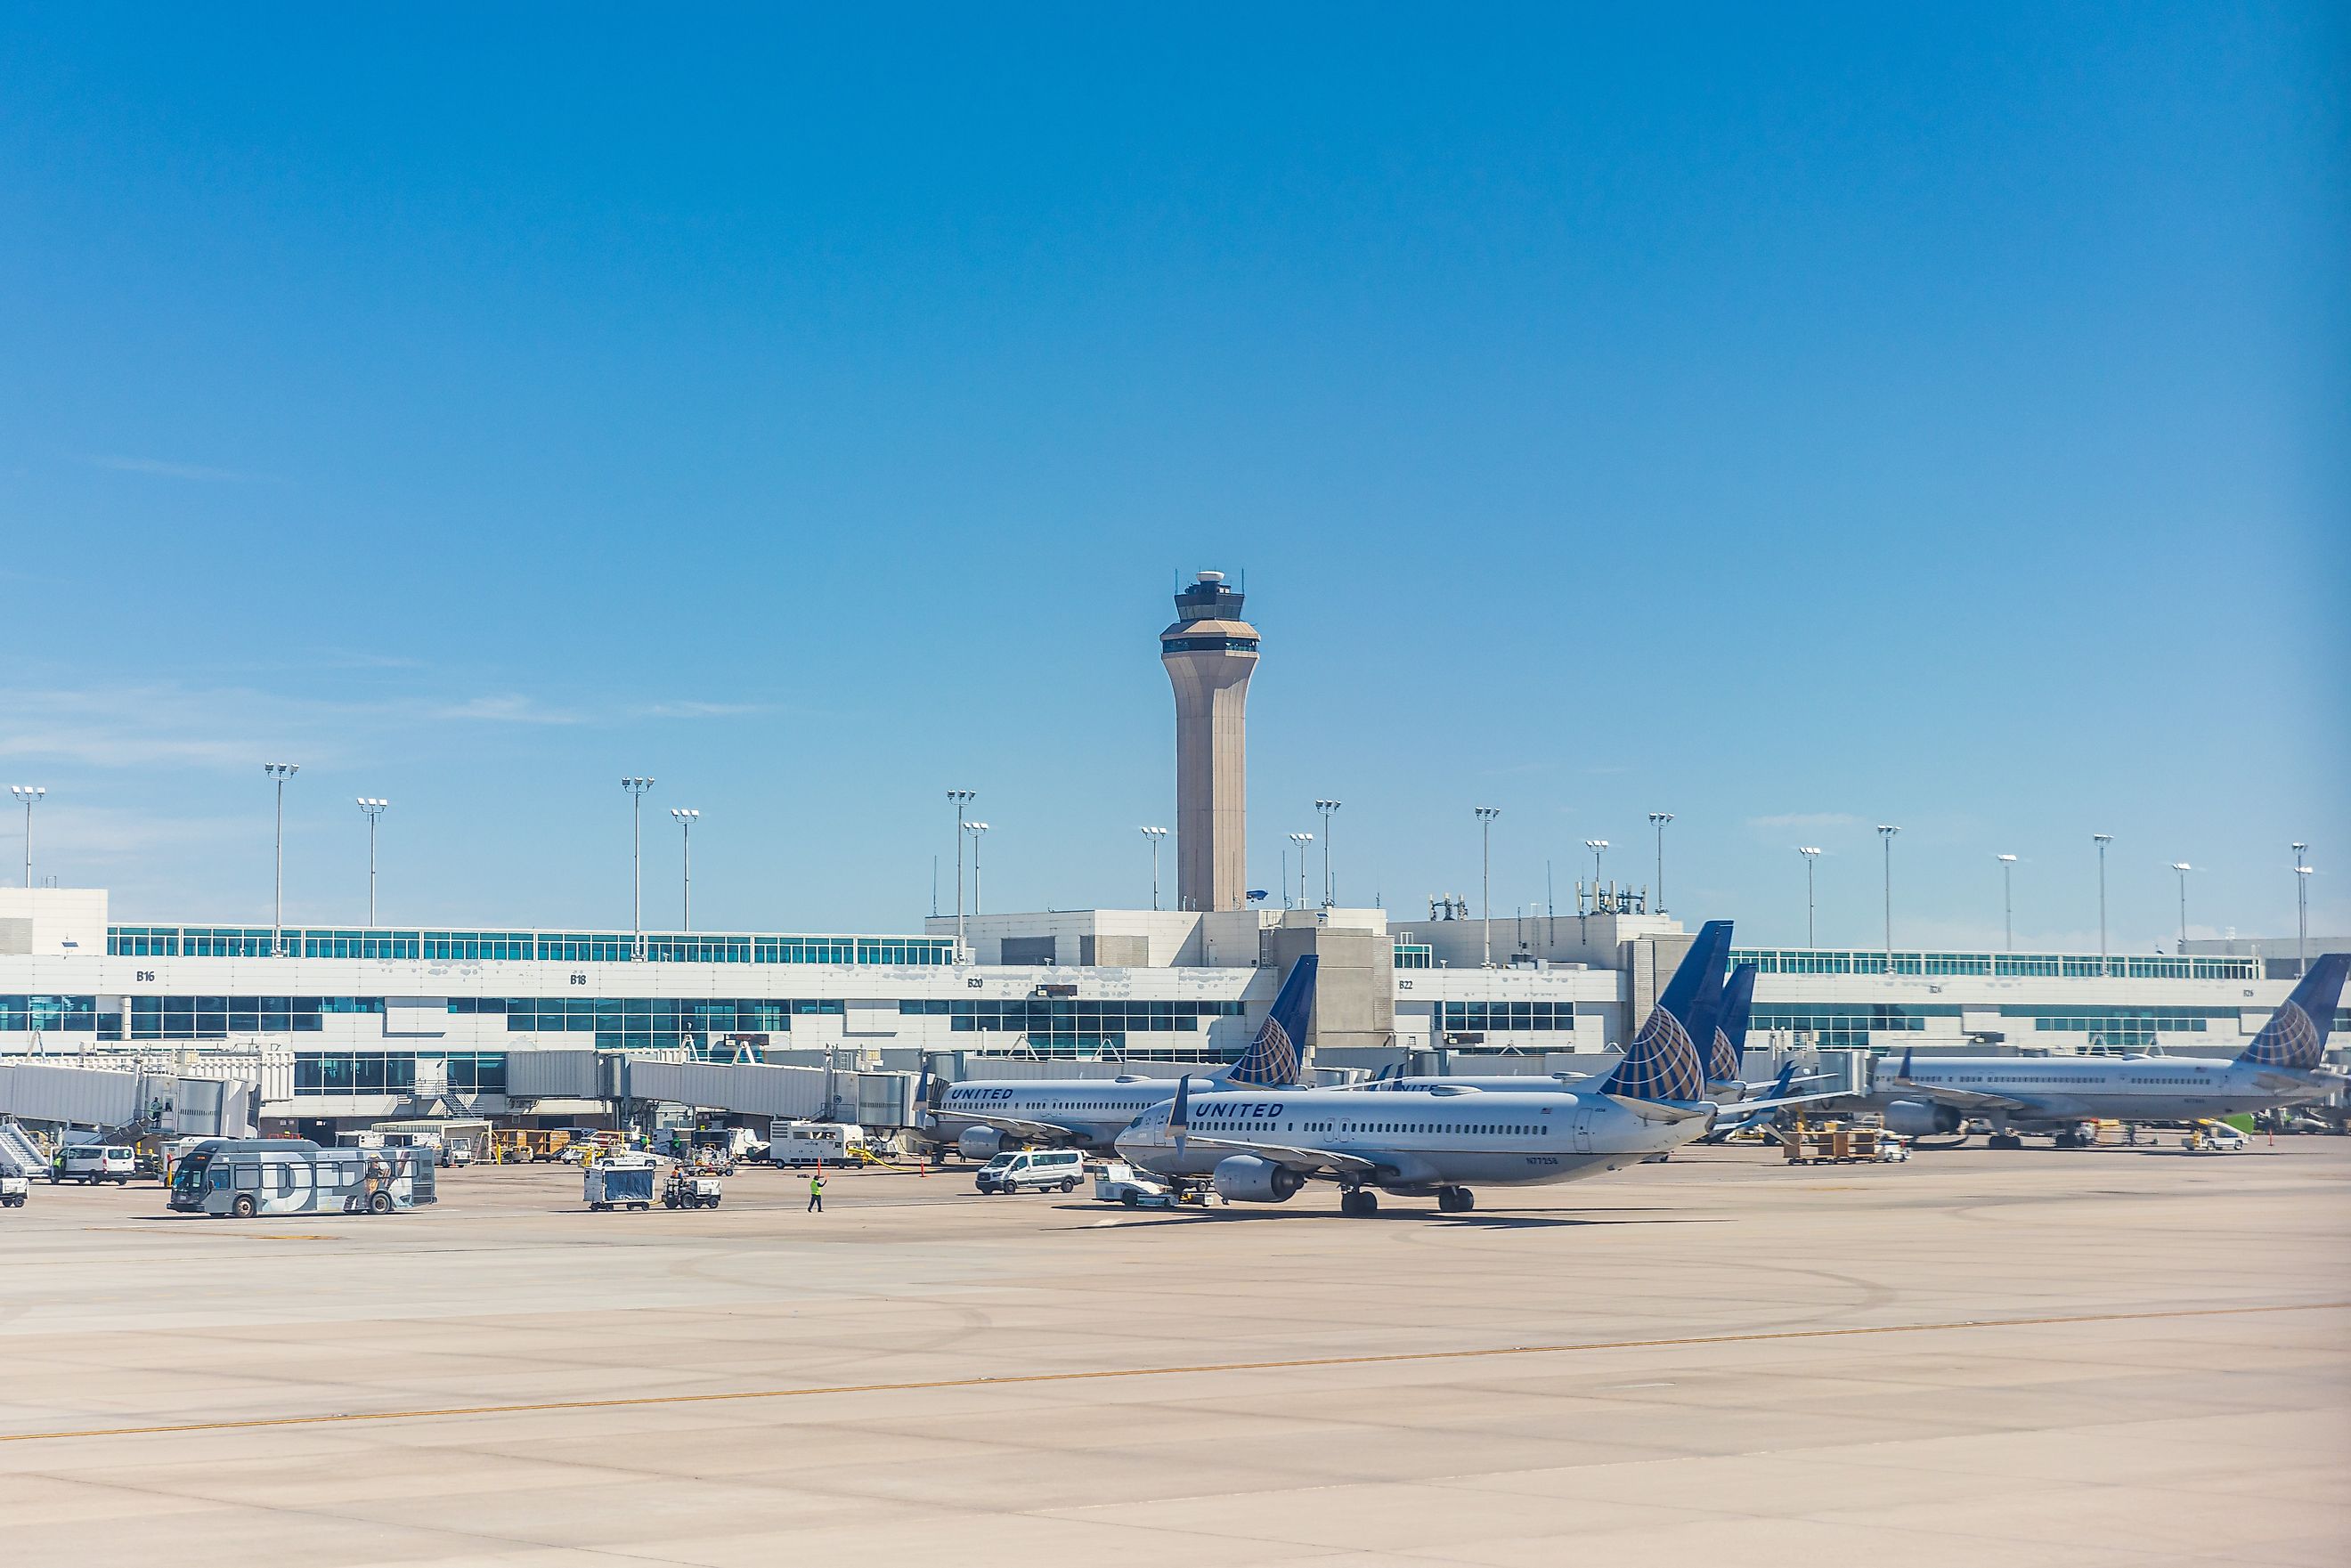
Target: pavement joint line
1008,1379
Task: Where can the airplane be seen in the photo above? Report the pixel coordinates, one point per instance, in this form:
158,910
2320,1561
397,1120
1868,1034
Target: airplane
1729,1056
1774,1096
983,1117
1732,1003
2056,1095
1265,1147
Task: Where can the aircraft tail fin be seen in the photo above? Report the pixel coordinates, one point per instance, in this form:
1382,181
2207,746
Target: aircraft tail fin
1273,1058
1663,1062
2295,1037
1730,1025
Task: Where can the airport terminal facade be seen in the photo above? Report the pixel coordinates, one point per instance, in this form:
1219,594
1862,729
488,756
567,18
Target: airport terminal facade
342,1025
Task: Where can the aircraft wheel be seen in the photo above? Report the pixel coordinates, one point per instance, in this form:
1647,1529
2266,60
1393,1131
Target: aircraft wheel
243,1207
1359,1203
1456,1199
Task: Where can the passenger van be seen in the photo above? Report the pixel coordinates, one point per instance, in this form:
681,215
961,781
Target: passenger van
1032,1170
92,1163
242,1177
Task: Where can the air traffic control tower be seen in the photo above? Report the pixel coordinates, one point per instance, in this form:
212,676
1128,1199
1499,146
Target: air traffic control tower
1210,652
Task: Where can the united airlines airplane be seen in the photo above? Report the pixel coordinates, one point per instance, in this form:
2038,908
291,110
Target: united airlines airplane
1265,1147
1730,1004
985,1116
2056,1094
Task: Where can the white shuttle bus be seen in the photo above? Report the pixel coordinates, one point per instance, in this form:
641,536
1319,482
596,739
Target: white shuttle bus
242,1177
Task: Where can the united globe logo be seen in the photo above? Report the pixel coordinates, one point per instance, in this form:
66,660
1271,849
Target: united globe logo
1663,1063
2289,1040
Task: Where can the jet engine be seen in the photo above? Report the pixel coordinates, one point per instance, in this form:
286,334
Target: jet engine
1245,1178
980,1143
1923,1119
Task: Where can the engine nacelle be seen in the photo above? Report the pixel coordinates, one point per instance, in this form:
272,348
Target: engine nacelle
1245,1178
1923,1119
981,1143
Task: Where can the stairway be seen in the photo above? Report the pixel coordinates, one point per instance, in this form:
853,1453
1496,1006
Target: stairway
17,1149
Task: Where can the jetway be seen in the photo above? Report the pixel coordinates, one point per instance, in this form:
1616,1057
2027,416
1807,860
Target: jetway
754,1089
106,1097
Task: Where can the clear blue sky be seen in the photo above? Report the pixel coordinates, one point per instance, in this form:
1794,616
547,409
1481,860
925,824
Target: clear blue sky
1794,423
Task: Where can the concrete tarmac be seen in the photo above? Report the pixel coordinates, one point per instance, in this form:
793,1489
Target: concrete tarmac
2105,1357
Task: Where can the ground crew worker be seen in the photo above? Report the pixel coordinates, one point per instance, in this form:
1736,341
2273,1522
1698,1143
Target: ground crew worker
816,1192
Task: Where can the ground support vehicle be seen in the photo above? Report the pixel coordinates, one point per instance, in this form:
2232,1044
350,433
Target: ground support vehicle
242,1177
14,1187
619,1181
689,1188
1121,1183
815,1143
520,1145
2215,1138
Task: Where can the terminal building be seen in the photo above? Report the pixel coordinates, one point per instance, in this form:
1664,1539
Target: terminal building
320,1030
337,1028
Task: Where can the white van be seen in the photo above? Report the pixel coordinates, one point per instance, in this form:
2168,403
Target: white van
92,1163
1032,1170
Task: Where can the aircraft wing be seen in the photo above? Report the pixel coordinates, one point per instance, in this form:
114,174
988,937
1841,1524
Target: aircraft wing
1662,1110
1751,1107
1304,1161
1037,1131
1959,1099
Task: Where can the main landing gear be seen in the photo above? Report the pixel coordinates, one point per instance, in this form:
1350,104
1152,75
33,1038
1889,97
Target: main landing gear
1358,1202
1456,1199
2006,1141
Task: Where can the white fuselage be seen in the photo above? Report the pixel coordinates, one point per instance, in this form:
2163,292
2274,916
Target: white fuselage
1415,1142
2112,1088
1090,1113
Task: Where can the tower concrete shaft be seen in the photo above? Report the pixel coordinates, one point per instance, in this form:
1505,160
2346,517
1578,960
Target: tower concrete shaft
1210,652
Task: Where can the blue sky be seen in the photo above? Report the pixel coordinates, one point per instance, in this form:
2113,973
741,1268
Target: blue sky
1793,422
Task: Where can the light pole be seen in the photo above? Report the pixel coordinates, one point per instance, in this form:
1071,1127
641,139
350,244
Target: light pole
1811,853
1301,840
1598,847
1330,893
975,830
1658,820
278,772
2301,911
1154,836
1886,832
2102,841
374,807
2007,901
2183,868
636,789
686,816
959,799
1486,815
29,794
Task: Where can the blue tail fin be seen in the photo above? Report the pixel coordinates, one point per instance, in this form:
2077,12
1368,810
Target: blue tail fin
2295,1036
1273,1059
1662,1063
1730,1025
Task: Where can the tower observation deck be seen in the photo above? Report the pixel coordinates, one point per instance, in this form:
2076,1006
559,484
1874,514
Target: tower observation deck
1210,652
